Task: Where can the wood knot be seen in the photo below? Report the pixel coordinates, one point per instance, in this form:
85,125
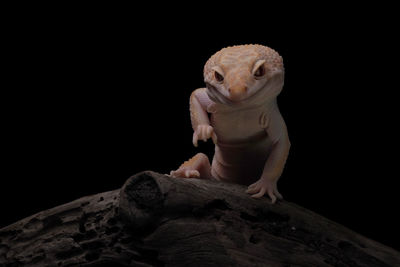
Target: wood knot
141,199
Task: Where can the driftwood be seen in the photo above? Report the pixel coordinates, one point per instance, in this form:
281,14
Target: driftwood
155,220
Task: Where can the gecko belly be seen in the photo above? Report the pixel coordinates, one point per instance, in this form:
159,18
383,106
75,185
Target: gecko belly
241,163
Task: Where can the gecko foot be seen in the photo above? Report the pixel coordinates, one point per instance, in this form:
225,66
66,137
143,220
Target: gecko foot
262,186
196,167
185,173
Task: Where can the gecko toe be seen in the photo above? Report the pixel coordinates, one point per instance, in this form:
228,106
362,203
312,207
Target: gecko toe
192,174
278,195
272,196
259,194
252,190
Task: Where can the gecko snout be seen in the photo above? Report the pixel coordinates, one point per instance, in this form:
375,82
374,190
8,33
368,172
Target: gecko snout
237,93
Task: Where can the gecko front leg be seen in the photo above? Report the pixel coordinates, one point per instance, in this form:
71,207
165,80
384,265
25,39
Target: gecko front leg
276,161
199,165
202,130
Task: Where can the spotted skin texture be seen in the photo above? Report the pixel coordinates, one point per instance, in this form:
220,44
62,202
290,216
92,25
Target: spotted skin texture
239,112
242,55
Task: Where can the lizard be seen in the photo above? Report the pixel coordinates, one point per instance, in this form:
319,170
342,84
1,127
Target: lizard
238,110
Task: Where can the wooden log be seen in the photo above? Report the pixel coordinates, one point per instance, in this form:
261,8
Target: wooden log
155,220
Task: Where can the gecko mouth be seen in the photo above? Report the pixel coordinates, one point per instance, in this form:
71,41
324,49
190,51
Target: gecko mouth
217,96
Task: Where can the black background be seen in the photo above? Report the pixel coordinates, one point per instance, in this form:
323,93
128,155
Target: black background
90,100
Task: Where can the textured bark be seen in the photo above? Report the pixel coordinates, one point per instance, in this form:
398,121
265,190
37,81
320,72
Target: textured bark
155,220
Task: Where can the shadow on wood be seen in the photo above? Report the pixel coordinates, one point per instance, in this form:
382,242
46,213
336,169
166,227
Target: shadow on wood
155,220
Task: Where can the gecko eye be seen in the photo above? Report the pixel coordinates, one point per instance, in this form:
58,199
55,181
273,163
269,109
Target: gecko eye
260,71
218,76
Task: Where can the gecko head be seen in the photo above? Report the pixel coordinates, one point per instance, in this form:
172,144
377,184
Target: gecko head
238,74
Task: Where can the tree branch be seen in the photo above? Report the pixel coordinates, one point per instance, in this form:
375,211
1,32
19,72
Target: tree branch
155,220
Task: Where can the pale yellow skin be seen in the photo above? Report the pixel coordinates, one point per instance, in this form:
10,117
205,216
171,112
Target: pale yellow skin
250,135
